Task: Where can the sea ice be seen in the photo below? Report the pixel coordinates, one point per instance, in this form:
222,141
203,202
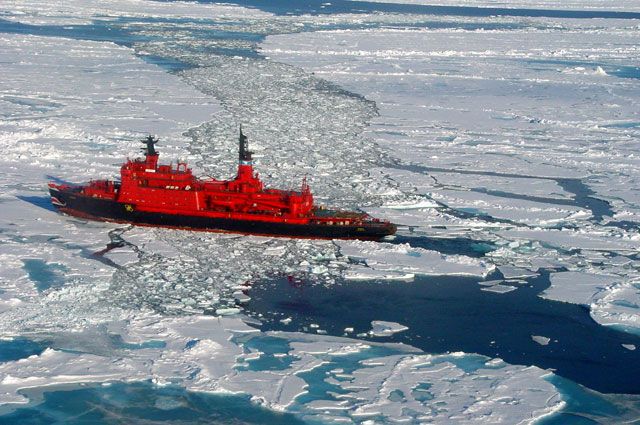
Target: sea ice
542,340
578,287
534,127
402,259
381,328
601,5
41,12
499,289
488,123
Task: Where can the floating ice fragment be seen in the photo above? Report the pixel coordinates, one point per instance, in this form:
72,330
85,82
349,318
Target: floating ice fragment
499,289
510,272
319,269
490,282
241,297
286,321
227,311
542,340
581,214
412,205
381,328
495,363
600,71
365,273
630,347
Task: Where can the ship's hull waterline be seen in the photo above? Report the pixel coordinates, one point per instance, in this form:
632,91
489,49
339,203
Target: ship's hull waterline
108,210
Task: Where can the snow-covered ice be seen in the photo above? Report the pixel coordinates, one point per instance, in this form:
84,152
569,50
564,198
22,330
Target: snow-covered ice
599,5
578,287
79,12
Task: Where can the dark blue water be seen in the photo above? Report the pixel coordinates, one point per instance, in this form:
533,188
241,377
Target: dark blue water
98,31
583,195
456,246
621,71
19,348
142,403
320,7
447,314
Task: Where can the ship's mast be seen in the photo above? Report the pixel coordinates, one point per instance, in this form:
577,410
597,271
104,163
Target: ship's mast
151,155
246,178
244,153
150,141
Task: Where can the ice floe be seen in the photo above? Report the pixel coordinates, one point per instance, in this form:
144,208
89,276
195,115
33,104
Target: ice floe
542,340
401,261
382,328
578,287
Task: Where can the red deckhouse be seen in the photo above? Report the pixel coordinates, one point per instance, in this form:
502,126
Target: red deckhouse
164,195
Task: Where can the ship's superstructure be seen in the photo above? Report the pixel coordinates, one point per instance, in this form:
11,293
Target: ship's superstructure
166,195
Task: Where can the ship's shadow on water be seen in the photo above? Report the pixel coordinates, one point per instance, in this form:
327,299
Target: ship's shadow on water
449,314
43,202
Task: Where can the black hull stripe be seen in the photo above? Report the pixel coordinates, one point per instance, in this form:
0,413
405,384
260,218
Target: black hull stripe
106,210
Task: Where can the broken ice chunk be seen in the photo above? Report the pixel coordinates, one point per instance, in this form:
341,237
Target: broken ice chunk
227,311
542,340
510,272
382,328
286,321
499,289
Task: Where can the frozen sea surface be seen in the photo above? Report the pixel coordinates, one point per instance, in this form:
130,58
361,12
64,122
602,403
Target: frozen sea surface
500,137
